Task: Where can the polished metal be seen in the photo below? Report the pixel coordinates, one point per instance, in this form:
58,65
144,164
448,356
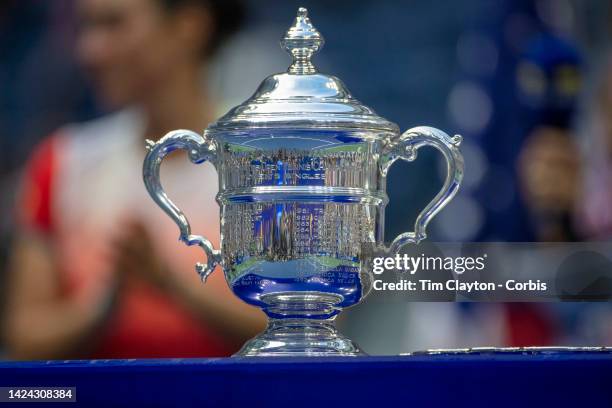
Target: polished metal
511,350
302,187
302,41
303,97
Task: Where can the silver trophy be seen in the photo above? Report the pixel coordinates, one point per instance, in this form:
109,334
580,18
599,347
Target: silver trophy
302,171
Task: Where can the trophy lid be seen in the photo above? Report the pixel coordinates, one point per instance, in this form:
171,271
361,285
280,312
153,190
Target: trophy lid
302,97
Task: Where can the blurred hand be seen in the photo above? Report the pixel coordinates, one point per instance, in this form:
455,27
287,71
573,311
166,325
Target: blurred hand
136,258
549,171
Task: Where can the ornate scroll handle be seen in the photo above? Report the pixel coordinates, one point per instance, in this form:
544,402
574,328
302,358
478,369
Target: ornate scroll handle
199,150
405,148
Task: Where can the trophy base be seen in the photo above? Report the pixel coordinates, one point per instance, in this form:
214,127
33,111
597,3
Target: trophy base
300,337
301,325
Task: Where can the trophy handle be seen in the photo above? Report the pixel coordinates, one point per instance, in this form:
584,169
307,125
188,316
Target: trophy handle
199,150
405,148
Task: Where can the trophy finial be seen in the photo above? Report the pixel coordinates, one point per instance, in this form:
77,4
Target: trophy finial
302,40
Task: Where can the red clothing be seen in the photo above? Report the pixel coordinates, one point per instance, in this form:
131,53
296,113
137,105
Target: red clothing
79,187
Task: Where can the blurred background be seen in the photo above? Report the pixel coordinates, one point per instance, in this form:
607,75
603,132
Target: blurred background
527,83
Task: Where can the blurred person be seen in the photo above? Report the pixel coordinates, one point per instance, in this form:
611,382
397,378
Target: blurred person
96,267
571,176
549,83
567,180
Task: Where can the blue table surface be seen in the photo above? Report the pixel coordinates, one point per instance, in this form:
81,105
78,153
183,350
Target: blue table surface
470,380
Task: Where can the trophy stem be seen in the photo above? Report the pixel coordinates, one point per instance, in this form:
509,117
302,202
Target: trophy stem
301,324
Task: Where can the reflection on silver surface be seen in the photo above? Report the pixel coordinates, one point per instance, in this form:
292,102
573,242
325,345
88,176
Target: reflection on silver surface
302,177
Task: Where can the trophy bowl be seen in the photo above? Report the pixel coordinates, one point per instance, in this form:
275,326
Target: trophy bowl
302,188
